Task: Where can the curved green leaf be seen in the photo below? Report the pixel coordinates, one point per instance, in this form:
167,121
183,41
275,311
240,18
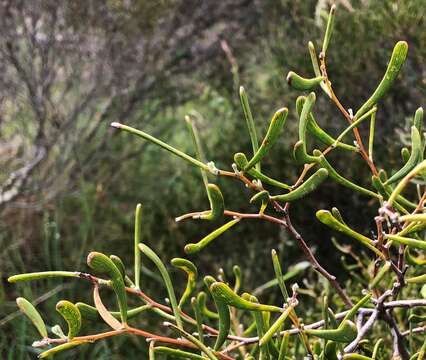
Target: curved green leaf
162,144
305,188
250,122
241,161
418,119
418,244
329,29
42,275
192,248
237,274
345,333
202,298
72,316
395,64
275,326
89,312
62,347
31,312
103,264
340,179
301,156
380,275
315,130
300,83
119,263
277,122
328,219
137,240
190,269
416,148
217,204
166,278
224,318
223,292
193,340
176,353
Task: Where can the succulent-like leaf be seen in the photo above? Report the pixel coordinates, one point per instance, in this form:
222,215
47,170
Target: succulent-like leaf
355,124
137,240
395,64
162,144
353,311
305,188
277,123
377,347
176,353
62,347
355,356
260,327
345,333
340,179
31,312
217,204
72,316
224,316
275,326
238,278
241,161
166,278
330,351
416,148
103,264
201,299
329,29
222,291
42,275
418,119
120,265
328,219
383,191
191,270
403,183
336,213
250,123
89,312
198,318
261,196
416,318
413,260
315,130
416,279
279,275
304,116
192,248
380,275
197,145
371,136
300,83
410,242
284,346
301,156
207,351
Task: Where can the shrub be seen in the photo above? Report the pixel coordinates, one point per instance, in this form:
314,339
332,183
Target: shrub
375,317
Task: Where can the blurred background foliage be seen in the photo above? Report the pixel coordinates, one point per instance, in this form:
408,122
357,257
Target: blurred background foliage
69,184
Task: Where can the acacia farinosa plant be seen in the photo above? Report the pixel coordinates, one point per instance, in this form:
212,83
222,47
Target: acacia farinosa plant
380,318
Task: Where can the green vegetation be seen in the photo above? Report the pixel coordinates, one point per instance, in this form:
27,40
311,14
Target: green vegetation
375,315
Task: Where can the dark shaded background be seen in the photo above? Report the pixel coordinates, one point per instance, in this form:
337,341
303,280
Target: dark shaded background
69,183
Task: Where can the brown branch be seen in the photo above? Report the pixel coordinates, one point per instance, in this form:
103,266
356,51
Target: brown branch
315,264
